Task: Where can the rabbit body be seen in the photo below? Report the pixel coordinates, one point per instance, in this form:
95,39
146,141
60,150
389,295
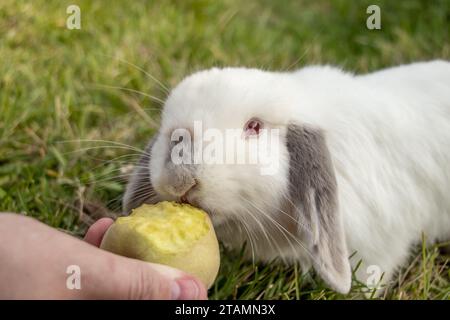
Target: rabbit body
389,137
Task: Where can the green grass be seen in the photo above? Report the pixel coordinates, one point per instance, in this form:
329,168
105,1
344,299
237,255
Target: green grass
54,96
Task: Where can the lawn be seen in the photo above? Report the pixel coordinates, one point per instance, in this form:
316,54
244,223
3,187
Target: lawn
77,105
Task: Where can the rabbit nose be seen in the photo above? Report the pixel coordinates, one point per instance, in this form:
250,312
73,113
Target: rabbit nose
179,185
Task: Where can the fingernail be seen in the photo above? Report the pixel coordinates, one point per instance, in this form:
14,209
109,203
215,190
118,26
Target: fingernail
176,290
189,289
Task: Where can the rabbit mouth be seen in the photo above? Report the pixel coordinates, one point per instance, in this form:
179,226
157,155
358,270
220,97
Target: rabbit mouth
188,199
184,199
216,217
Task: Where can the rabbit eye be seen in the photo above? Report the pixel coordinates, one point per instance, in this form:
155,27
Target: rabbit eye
253,127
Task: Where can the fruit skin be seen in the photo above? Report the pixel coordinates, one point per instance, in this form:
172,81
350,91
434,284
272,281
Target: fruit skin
199,257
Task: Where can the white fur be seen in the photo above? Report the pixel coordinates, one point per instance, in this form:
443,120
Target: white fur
388,133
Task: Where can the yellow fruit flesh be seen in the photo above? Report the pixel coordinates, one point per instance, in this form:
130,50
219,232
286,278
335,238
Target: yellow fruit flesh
167,227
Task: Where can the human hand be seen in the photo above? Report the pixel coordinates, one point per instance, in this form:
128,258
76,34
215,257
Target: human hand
35,259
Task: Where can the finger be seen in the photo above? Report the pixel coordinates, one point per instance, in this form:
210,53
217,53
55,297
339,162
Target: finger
139,280
95,233
186,287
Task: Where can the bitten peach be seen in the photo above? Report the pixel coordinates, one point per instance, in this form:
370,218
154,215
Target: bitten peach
177,235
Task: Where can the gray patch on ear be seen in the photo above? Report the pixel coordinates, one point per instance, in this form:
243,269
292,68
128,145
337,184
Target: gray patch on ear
140,189
313,191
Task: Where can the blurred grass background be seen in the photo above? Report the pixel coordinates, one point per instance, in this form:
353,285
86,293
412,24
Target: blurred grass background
66,128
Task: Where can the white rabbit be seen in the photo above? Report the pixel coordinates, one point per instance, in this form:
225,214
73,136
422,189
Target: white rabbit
364,164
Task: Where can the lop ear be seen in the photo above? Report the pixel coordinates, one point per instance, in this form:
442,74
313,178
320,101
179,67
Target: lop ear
139,188
313,192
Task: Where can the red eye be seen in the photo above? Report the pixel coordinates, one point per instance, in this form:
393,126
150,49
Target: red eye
253,127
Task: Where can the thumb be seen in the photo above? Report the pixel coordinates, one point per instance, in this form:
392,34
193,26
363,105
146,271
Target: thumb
182,285
139,280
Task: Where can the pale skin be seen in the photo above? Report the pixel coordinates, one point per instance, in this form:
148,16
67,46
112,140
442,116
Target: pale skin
34,260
